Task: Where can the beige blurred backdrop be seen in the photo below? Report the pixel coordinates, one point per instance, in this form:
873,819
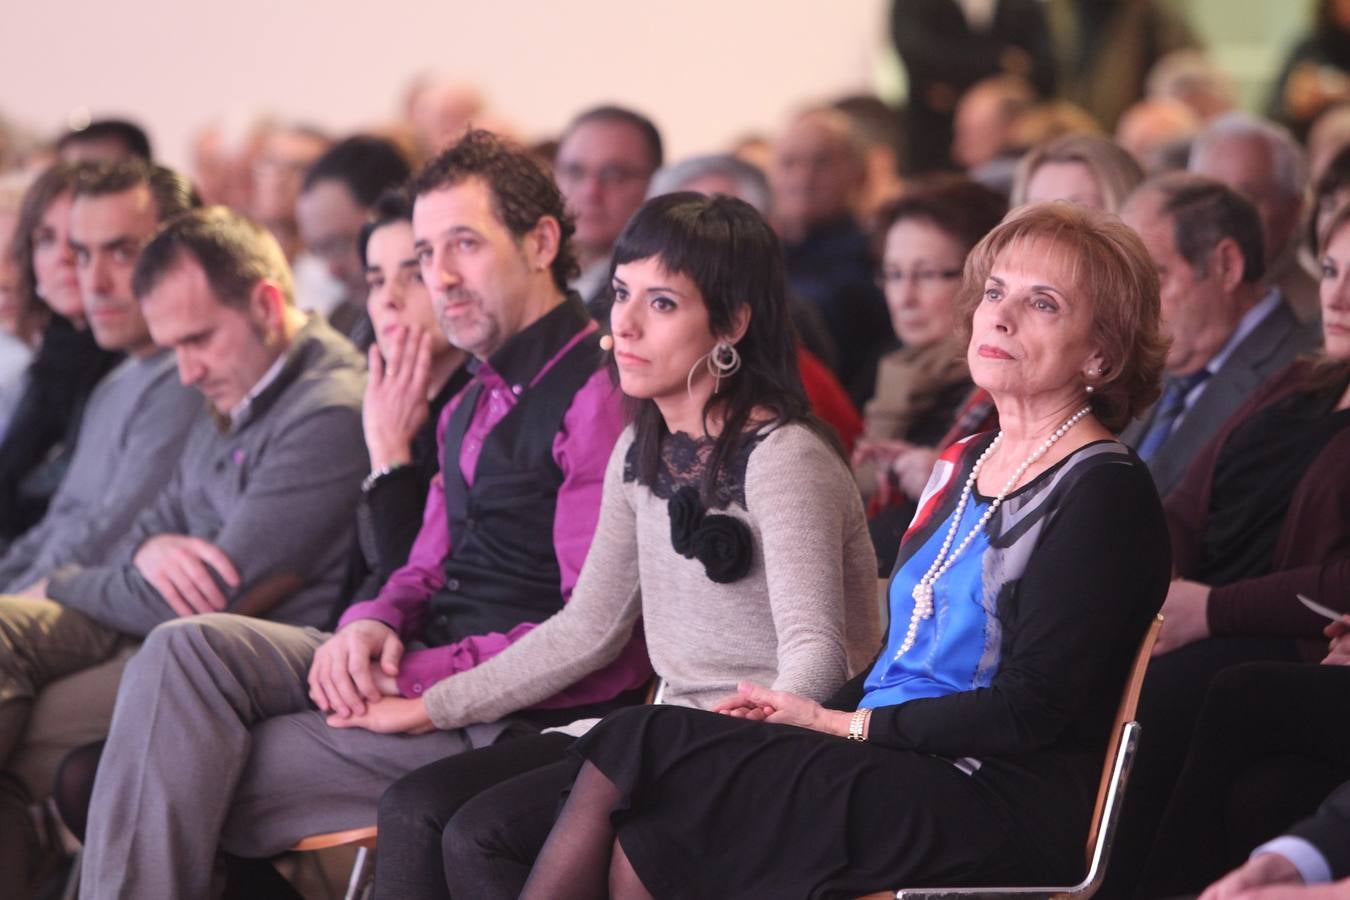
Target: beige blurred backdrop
706,70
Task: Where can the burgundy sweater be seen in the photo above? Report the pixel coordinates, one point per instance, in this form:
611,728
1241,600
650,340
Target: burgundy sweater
1312,552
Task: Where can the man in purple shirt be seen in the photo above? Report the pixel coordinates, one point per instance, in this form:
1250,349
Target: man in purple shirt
216,743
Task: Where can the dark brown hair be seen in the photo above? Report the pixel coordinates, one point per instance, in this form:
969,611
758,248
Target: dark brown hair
522,192
234,253
171,191
963,209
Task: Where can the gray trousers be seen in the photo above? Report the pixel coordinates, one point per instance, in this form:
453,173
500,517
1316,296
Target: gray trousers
214,743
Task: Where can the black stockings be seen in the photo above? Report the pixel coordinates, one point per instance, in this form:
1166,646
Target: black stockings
582,859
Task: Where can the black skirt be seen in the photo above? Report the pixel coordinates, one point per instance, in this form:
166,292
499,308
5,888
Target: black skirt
715,806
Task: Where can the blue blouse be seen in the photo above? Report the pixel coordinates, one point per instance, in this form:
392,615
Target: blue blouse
955,649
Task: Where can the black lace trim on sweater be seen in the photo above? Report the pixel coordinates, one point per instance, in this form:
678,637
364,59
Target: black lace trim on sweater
684,460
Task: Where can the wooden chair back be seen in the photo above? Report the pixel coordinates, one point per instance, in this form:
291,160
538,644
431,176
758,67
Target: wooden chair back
1129,704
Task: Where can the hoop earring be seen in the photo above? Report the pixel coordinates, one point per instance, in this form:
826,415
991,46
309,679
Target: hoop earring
689,381
723,362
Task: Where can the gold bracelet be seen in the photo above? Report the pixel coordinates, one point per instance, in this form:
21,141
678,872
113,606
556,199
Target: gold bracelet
857,723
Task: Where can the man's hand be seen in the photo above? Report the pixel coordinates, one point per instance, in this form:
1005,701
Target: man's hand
179,567
395,405
1185,616
341,678
1259,871
1338,652
754,701
391,715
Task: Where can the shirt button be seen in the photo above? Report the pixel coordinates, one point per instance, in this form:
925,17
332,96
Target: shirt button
417,687
452,584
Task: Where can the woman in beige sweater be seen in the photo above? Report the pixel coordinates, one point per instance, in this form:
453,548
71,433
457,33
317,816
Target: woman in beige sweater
729,529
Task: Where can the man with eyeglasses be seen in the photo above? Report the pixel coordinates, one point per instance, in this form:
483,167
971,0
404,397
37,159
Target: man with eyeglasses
605,160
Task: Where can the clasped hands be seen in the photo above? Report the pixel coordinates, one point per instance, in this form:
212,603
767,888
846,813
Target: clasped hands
346,682
761,704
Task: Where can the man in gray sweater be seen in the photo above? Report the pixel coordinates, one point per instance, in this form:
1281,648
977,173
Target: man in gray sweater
131,436
257,517
137,419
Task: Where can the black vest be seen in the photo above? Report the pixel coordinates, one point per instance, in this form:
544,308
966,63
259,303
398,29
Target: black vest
502,569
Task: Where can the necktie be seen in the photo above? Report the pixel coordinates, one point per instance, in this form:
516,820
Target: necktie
1170,408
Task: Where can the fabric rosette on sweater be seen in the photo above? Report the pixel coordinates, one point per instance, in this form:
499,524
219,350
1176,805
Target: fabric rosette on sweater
722,543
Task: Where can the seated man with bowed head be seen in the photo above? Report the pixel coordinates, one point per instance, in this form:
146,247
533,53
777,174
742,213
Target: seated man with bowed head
216,723
257,515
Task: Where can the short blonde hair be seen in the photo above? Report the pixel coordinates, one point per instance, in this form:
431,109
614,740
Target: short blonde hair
1108,265
1116,171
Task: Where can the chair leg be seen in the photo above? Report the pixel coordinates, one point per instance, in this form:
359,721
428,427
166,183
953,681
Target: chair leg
358,886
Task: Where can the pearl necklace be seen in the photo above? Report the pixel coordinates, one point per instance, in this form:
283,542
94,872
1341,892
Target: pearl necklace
923,591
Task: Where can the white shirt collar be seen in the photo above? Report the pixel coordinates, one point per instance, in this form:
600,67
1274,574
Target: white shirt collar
242,407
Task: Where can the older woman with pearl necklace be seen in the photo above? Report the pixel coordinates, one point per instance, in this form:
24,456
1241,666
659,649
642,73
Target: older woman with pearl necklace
969,751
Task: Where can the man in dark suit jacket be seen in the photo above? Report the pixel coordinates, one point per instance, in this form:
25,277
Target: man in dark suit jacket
1228,333
1316,851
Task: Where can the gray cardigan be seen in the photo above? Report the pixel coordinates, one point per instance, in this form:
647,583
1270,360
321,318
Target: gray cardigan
804,619
276,491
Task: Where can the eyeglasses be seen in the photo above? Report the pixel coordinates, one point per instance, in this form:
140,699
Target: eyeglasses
610,176
924,278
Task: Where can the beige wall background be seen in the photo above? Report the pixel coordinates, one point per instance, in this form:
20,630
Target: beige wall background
706,70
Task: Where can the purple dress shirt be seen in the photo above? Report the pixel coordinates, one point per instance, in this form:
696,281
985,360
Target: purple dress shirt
581,448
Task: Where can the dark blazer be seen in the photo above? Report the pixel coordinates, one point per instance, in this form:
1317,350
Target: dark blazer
1271,346
1329,831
